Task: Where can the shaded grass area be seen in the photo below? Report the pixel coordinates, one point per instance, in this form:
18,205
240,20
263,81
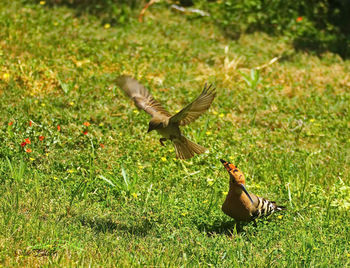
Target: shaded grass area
115,196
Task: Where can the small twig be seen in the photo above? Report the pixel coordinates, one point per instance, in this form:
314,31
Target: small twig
269,63
191,174
142,13
146,200
289,195
190,10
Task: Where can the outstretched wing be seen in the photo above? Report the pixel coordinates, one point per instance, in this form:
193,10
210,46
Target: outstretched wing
140,95
193,110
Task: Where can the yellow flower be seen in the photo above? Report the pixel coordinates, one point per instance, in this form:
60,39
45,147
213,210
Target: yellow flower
280,216
215,112
205,201
231,158
70,171
312,120
42,3
31,158
36,101
43,104
55,178
101,124
71,103
224,193
163,159
208,132
55,23
107,26
140,166
134,195
221,115
136,111
6,76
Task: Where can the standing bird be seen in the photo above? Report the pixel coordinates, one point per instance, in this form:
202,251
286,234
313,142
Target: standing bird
162,121
241,205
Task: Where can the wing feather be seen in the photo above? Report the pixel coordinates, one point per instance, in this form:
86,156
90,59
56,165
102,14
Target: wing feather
141,96
193,110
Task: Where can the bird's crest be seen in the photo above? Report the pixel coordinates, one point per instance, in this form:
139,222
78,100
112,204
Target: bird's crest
234,172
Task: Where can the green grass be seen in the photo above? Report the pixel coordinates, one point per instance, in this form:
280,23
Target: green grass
71,201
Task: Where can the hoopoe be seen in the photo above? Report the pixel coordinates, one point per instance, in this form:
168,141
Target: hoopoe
241,205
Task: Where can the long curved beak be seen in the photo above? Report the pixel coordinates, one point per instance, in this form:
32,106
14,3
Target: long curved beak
246,192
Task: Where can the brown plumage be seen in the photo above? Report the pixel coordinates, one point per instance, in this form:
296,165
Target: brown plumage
240,204
162,121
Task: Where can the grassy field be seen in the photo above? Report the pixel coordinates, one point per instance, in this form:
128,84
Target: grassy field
90,187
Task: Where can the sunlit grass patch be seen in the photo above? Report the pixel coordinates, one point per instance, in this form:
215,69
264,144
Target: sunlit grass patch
82,183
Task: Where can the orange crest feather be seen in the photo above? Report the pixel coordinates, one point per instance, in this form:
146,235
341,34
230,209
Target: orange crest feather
234,172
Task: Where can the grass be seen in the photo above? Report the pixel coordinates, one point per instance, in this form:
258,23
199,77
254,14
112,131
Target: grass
115,197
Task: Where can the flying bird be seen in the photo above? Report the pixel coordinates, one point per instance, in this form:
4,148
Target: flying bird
240,204
167,125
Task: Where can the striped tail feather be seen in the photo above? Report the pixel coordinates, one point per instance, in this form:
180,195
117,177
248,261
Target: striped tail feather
265,208
185,148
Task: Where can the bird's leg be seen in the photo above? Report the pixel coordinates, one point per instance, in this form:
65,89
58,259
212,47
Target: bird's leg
161,141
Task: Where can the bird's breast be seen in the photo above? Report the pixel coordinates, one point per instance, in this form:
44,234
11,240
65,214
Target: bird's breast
170,131
237,206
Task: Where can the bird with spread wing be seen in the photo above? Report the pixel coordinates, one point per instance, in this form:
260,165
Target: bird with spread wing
163,122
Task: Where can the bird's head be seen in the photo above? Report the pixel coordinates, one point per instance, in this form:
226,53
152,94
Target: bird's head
155,123
236,176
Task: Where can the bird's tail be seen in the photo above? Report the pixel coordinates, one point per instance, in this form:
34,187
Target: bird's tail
185,148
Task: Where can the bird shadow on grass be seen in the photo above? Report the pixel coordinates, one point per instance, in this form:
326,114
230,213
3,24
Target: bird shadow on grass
228,228
107,225
112,11
94,5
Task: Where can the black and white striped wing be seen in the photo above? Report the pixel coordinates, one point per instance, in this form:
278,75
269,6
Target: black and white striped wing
265,208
